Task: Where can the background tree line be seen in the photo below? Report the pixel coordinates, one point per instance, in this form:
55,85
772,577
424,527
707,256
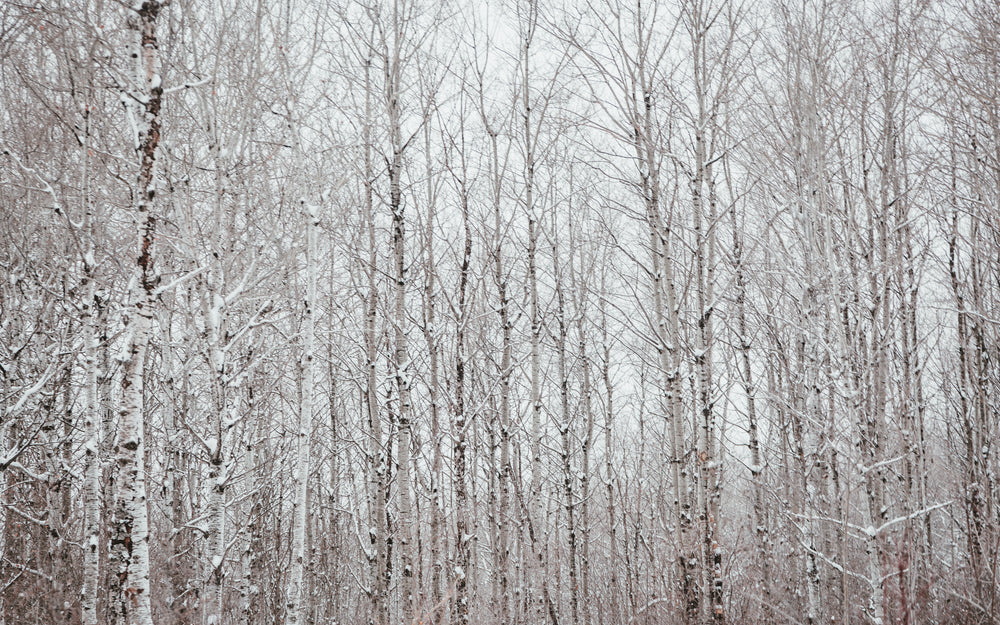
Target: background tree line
410,312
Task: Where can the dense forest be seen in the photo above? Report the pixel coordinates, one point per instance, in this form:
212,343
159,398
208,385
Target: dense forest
579,313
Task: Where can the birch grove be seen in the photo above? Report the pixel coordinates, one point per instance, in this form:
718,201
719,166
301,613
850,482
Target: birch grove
401,311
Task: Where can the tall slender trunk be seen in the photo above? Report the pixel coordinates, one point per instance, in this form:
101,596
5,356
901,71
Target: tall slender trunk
434,391
296,592
565,426
464,533
173,478
377,457
504,475
667,331
250,555
586,392
536,522
214,312
761,533
92,460
92,488
703,219
614,611
130,600
401,358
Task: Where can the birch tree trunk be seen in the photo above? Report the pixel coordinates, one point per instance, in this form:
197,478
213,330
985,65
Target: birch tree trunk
431,338
92,466
615,609
92,488
527,33
401,364
578,281
393,67
215,312
296,594
502,549
130,600
376,454
565,425
760,521
464,532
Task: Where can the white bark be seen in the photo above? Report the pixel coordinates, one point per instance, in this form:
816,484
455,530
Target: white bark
464,532
130,534
565,427
530,130
296,578
430,330
92,488
377,457
92,463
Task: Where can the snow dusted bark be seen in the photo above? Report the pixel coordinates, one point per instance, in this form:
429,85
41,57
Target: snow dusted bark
130,600
614,610
437,462
434,390
296,577
708,493
872,438
92,459
580,274
667,323
92,488
174,485
252,554
502,547
401,356
216,534
807,505
215,303
536,382
464,533
506,366
377,458
565,425
761,532
585,470
709,76
534,509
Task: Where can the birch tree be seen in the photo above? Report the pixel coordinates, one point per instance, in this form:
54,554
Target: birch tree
619,312
130,601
